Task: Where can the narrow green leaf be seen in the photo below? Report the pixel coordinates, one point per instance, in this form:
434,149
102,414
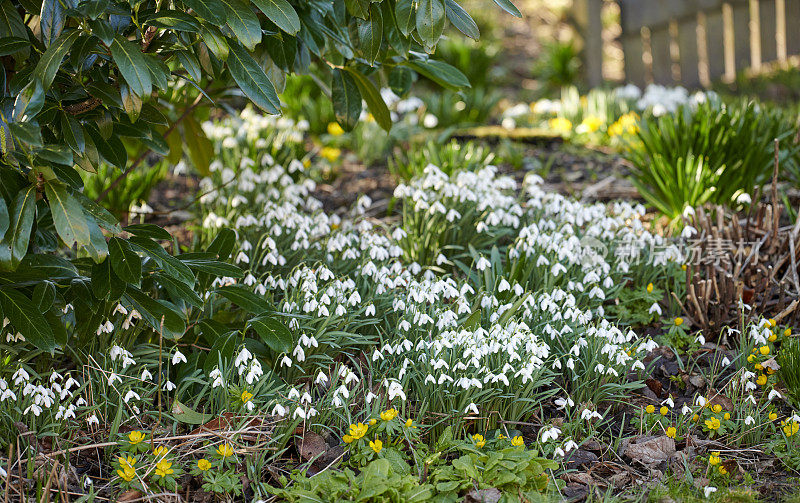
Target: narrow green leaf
132,65
50,61
509,7
440,72
243,22
252,80
157,314
10,45
73,133
51,20
5,220
404,12
68,215
462,20
244,298
210,10
430,21
18,235
281,13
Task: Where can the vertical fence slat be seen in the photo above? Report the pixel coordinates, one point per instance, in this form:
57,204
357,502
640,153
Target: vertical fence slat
755,35
792,28
634,64
768,29
589,17
715,44
780,29
687,44
741,31
662,60
729,43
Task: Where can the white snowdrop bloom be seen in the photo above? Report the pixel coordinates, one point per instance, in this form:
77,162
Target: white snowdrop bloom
279,410
700,401
93,420
774,394
113,377
686,409
8,395
178,357
655,308
131,395
471,409
321,378
749,420
146,375
709,490
216,377
551,433
725,362
562,403
668,402
570,445
700,339
286,361
503,286
306,398
482,263
169,385
370,311
299,412
20,376
34,409
294,394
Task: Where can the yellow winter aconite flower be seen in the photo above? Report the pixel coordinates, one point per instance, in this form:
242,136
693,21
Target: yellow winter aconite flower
164,468
750,358
161,451
713,459
764,350
348,439
306,163
335,129
650,409
127,473
773,416
664,410
722,470
203,464
592,123
517,441
787,332
330,154
246,396
560,125
772,337
225,450
135,437
717,408
727,416
713,423
373,422
377,445
790,428
772,322
649,288
671,432
762,380
389,414
678,321
479,440
409,422
358,430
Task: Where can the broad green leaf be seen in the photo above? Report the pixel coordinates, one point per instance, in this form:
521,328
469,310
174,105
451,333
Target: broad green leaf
190,63
509,7
281,13
346,99
373,98
272,332
12,25
179,290
215,42
104,219
210,10
462,20
51,20
174,20
10,45
244,298
157,314
215,267
27,319
43,296
358,8
68,215
148,231
197,145
430,21
125,262
440,72
184,414
18,235
400,80
370,33
97,247
132,65
168,263
243,22
5,220
101,279
252,80
50,61
404,13
73,133
223,244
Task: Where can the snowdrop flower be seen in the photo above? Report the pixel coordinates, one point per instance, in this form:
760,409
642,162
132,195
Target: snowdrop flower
279,410
146,375
550,434
178,357
169,386
471,409
749,420
562,403
655,308
774,394
130,395
92,420
216,376
286,361
709,490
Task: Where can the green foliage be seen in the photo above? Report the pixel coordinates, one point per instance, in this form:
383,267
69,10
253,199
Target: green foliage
136,187
452,156
789,360
711,153
468,108
559,65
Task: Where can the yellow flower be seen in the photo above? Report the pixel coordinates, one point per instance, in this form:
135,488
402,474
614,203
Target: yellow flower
773,416
591,123
713,459
727,416
717,408
713,423
650,409
225,450
373,422
306,163
164,468
787,332
517,441
772,322
664,410
762,380
127,473
696,417
772,337
678,321
203,464
764,350
479,440
377,445
135,437
335,129
358,430
161,451
750,358
409,422
671,431
330,153
130,461
560,125
790,429
389,414
758,366
347,439
722,470
246,396
649,288
683,267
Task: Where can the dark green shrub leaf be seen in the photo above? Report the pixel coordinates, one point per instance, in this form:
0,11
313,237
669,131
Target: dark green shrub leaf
27,320
15,242
346,99
244,298
462,20
210,10
48,65
440,72
272,332
373,98
281,13
252,79
243,22
155,312
68,215
125,262
132,65
430,21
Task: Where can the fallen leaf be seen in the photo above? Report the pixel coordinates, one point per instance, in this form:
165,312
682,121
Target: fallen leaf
771,364
130,495
720,399
311,446
578,478
655,386
650,451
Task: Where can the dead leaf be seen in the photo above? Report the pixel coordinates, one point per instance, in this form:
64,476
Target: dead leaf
578,478
490,495
130,495
719,399
771,364
311,446
655,386
650,451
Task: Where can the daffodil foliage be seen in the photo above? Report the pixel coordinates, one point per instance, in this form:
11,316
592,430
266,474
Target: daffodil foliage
86,83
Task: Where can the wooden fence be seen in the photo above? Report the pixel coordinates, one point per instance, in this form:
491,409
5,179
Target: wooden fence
692,42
